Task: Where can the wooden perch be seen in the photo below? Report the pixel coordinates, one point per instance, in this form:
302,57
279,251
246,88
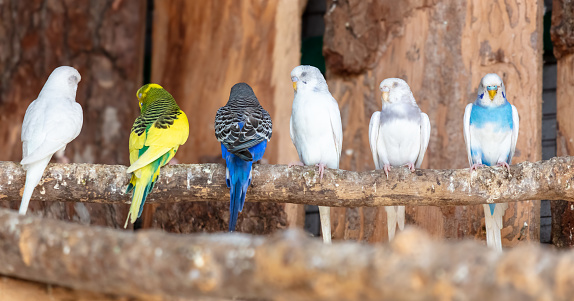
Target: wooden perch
286,266
550,180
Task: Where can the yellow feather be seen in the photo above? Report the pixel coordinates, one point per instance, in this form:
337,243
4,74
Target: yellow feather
159,142
176,134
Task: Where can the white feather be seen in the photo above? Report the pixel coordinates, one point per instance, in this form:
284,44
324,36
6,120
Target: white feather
401,139
466,127
316,128
52,120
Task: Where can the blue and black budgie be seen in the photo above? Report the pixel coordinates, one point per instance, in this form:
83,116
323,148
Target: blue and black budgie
243,128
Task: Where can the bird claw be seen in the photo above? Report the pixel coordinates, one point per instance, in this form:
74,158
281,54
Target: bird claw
504,164
387,168
295,163
321,170
411,166
475,166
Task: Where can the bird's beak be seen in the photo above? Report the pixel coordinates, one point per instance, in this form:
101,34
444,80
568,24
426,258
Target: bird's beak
295,86
492,93
385,96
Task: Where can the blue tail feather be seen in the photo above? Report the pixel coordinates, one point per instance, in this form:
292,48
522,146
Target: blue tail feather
492,206
239,172
239,179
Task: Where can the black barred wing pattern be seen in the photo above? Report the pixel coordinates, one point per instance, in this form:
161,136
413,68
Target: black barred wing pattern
239,127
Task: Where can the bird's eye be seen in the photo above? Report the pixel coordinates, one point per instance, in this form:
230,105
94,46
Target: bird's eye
305,82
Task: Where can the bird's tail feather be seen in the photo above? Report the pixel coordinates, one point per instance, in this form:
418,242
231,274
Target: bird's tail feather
494,223
34,173
240,173
395,215
142,187
325,216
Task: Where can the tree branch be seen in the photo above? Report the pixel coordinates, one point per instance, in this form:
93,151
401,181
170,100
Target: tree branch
286,266
550,180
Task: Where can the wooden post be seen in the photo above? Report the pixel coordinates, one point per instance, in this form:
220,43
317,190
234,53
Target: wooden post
104,41
200,50
442,50
562,33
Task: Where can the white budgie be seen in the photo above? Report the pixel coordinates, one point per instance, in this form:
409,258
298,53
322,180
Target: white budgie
316,129
491,126
399,135
53,120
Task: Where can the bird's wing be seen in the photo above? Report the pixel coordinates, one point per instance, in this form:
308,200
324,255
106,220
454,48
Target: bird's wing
425,137
47,129
466,125
239,133
161,137
374,127
515,128
336,126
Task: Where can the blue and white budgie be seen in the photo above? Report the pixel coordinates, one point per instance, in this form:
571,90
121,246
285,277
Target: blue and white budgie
316,128
399,135
243,127
52,121
490,132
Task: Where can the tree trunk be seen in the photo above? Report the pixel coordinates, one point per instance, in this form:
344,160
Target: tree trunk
562,33
104,41
442,49
200,50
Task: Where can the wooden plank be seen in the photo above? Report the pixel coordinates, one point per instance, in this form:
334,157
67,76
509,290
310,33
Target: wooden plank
442,49
104,41
202,48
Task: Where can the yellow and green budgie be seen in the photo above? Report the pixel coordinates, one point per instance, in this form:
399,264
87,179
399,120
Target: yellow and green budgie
155,137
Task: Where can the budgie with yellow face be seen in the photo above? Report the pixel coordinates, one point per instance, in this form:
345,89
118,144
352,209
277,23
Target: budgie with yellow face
155,137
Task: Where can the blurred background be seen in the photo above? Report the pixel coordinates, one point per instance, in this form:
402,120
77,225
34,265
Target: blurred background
198,49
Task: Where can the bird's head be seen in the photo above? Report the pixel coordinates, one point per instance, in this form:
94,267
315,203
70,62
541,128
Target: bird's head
491,90
396,90
150,93
308,78
242,93
63,79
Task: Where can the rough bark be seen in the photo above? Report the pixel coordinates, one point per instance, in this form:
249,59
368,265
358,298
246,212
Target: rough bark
552,179
12,289
562,30
200,50
442,49
286,266
104,41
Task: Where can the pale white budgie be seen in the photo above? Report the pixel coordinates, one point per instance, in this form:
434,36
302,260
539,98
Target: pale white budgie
399,135
316,129
53,120
490,131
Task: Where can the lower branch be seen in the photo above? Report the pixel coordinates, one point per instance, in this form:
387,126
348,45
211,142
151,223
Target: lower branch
286,266
549,180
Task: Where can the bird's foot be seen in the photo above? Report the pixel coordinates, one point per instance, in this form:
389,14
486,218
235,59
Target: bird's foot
475,166
173,161
387,168
321,169
411,166
296,163
504,164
